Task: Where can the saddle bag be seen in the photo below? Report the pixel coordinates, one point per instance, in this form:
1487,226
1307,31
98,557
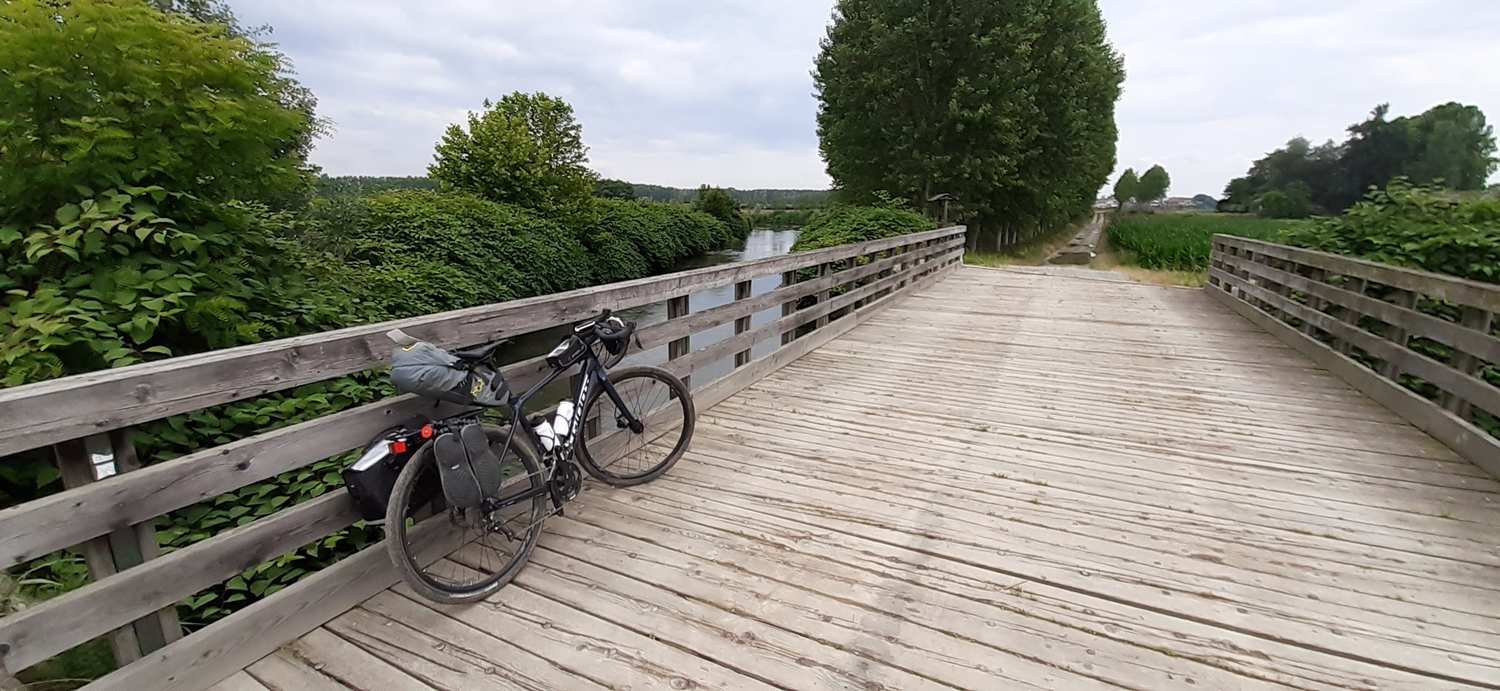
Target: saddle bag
467,466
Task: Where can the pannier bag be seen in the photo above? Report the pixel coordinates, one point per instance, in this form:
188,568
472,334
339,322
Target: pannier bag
424,369
372,477
469,469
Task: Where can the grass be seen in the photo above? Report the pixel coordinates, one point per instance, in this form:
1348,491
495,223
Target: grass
1182,242
1122,262
1033,252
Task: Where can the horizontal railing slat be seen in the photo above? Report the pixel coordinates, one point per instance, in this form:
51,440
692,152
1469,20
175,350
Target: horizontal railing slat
58,410
1472,389
1451,288
1456,335
73,516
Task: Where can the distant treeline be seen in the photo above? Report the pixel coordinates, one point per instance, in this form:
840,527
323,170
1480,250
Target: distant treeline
365,185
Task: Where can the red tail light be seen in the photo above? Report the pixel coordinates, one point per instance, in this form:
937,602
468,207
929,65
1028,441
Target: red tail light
427,431
398,446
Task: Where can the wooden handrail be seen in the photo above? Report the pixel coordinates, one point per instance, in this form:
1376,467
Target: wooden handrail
1322,304
872,273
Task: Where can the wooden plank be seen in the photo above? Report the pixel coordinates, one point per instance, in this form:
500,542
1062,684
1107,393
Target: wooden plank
1464,438
44,413
76,465
1461,291
1466,361
1469,339
281,670
351,665
742,324
240,681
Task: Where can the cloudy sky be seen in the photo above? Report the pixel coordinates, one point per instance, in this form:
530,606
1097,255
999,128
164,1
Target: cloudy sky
682,93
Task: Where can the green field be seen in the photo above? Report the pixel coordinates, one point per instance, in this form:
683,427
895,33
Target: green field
1181,242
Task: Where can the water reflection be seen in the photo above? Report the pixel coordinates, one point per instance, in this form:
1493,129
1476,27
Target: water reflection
759,245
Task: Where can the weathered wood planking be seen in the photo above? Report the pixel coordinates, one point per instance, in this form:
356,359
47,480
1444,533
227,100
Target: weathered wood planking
58,410
231,644
1260,281
933,499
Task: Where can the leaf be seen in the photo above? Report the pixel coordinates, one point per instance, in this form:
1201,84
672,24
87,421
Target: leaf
9,235
68,213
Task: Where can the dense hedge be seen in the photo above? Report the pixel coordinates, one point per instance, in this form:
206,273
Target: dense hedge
630,235
846,224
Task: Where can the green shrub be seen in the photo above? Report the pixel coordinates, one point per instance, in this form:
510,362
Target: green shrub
525,149
849,224
1415,226
110,93
662,234
717,203
1293,203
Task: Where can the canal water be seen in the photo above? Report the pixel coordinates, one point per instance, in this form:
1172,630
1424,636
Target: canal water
759,245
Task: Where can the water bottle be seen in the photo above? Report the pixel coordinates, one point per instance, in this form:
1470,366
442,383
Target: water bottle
564,419
545,433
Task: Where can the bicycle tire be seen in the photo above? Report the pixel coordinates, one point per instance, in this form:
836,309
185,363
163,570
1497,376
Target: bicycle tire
604,469
407,562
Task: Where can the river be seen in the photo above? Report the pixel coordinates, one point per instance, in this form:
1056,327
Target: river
760,244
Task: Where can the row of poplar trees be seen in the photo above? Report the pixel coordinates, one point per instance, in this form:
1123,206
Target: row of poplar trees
1009,106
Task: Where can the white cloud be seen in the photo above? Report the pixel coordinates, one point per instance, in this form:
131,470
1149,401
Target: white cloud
680,93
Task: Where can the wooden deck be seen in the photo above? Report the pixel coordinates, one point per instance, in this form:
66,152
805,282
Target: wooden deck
1015,478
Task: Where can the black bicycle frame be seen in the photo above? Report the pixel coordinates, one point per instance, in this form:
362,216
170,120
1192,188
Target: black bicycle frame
593,374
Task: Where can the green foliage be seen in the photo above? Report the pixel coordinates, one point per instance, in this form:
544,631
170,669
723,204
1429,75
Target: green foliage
366,185
614,189
1181,242
717,203
172,102
1153,185
1292,203
416,253
848,224
1126,187
782,218
1422,227
661,235
525,149
1009,106
1450,144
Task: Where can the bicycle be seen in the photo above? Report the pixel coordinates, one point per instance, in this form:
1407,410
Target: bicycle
492,476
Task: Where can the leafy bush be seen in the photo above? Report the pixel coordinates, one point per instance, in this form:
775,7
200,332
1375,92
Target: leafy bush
717,203
662,234
1182,242
1415,226
525,149
1292,203
111,93
848,224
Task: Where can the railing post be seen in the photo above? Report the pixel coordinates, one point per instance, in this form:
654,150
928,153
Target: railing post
129,546
787,308
677,308
741,325
823,270
1348,314
1397,335
1480,321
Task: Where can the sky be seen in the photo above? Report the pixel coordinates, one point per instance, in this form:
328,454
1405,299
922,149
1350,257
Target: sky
683,93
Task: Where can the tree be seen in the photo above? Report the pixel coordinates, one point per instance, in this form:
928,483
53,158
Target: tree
1125,187
717,203
525,149
1452,144
1153,185
614,189
78,116
1008,106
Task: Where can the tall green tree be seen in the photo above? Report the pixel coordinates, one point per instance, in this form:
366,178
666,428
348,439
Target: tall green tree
1153,185
524,149
1009,105
1125,187
716,202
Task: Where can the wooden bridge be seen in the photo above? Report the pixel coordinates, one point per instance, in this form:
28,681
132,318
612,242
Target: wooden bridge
942,477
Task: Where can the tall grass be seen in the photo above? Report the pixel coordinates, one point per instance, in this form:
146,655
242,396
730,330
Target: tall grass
1182,242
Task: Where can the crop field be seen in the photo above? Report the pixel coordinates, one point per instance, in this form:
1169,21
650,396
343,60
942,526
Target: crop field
1181,242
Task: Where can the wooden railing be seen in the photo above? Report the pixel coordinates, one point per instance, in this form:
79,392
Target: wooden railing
1388,331
134,590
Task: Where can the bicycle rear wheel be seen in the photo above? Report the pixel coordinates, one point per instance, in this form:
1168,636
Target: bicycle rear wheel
610,451
487,551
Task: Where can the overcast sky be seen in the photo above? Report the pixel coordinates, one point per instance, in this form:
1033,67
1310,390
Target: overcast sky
682,93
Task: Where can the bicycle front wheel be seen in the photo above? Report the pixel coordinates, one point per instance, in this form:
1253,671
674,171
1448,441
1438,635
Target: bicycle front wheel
484,550
618,455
